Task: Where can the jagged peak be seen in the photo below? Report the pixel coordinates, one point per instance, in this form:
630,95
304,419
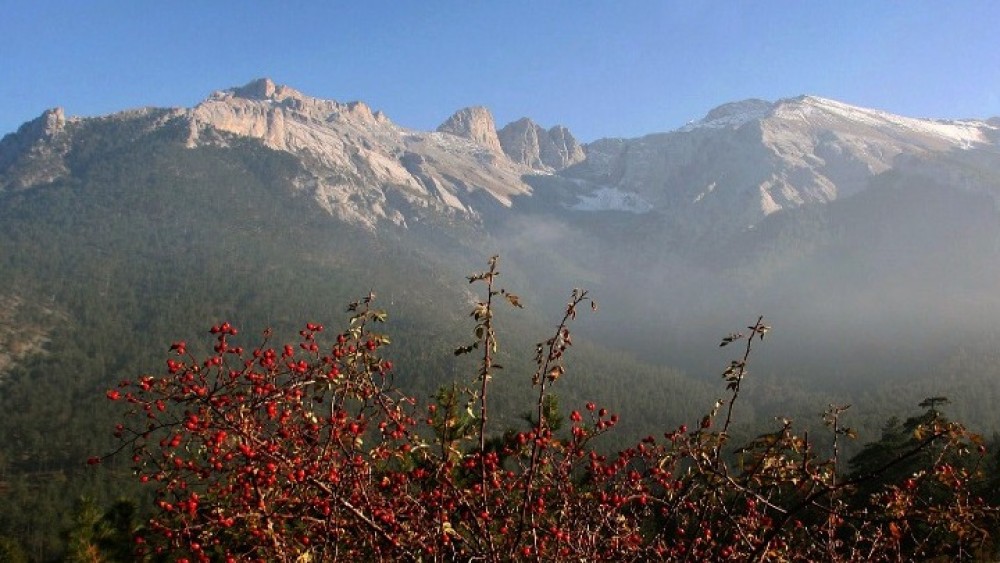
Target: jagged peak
265,92
260,89
474,123
50,122
560,130
463,118
527,143
524,122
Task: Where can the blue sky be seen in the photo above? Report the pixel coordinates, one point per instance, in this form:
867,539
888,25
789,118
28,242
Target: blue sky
601,68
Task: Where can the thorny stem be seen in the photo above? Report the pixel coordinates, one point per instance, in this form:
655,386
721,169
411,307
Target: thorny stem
488,341
741,367
558,342
834,417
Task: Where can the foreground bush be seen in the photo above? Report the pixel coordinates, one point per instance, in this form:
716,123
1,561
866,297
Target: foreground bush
308,452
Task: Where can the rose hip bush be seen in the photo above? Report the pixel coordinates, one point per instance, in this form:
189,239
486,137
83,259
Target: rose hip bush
308,452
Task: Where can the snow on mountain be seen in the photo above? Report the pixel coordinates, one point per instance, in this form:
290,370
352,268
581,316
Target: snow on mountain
962,133
732,115
612,199
746,160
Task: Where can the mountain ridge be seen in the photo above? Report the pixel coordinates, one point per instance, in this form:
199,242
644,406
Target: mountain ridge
743,161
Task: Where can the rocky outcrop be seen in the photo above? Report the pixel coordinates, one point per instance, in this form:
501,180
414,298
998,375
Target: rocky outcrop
563,150
476,124
526,143
34,154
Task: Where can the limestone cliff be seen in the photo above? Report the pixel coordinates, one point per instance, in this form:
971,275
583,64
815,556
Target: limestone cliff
525,142
476,124
356,156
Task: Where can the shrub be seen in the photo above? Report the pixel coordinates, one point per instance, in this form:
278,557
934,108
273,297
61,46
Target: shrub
308,452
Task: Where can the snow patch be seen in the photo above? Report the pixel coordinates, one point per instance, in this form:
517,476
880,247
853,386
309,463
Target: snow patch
612,199
708,190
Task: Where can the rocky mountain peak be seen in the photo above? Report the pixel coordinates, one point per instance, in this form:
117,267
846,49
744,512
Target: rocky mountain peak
259,89
51,122
527,143
476,124
34,154
265,89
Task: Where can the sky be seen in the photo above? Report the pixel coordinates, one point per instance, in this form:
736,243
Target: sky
603,69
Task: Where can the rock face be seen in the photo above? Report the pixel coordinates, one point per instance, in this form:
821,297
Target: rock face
525,142
476,124
362,167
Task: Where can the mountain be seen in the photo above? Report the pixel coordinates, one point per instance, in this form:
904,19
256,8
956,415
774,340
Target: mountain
871,241
746,160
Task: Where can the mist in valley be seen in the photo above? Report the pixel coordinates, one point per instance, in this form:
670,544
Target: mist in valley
880,299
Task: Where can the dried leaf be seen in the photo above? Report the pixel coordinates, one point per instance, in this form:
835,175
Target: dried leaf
556,372
514,300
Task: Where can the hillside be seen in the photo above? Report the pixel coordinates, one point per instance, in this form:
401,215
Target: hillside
870,241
